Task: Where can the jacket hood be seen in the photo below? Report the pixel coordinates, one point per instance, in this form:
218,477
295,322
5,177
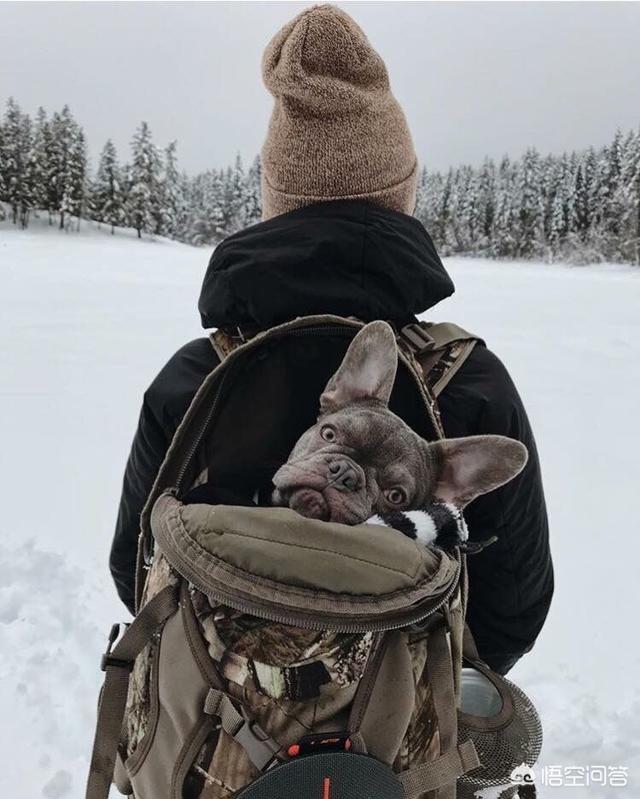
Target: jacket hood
348,258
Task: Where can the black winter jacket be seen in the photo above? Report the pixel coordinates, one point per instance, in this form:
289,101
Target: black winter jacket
353,258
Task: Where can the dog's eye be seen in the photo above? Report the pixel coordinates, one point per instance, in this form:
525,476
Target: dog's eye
328,433
396,496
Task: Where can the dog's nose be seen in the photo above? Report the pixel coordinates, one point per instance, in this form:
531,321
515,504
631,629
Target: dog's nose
344,474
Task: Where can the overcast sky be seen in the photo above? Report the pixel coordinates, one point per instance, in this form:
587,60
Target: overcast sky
474,78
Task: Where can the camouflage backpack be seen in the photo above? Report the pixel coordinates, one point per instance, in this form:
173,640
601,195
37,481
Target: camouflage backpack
270,656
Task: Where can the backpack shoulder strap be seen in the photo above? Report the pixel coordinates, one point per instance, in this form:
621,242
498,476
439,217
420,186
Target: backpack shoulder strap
439,348
382,708
117,664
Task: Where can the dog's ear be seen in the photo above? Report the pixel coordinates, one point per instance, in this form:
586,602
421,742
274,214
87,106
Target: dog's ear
367,371
465,468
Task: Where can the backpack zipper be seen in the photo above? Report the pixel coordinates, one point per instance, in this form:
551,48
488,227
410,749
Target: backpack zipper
395,620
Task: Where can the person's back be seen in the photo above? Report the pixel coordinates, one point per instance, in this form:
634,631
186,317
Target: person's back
338,187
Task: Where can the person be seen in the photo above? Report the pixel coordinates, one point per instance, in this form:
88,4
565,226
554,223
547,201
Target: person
339,176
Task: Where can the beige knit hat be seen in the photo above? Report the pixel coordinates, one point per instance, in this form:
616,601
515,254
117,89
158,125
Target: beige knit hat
336,131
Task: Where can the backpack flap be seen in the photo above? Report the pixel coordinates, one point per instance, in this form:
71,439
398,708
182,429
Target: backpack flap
277,565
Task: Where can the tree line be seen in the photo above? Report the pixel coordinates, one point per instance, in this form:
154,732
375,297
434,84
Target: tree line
44,169
581,207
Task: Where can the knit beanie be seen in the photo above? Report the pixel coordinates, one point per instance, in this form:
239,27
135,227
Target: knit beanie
336,131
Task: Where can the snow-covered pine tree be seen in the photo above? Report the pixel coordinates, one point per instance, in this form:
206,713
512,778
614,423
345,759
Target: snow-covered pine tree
18,141
445,212
486,208
434,191
590,170
465,219
253,202
107,197
611,169
195,197
172,188
143,200
420,211
529,214
559,205
547,193
38,161
234,197
67,166
53,166
183,217
207,204
601,194
473,212
3,188
73,199
58,158
627,199
578,199
503,238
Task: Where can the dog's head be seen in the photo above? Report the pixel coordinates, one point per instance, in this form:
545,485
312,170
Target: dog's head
360,459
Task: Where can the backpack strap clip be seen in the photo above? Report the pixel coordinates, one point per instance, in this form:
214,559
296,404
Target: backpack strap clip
440,349
417,337
261,749
108,660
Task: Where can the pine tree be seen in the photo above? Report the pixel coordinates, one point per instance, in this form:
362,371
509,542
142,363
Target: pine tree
18,141
612,166
627,199
3,185
73,201
238,192
429,201
559,206
529,209
67,165
207,205
253,203
173,200
590,168
486,207
52,167
38,162
107,198
143,206
444,213
578,202
504,242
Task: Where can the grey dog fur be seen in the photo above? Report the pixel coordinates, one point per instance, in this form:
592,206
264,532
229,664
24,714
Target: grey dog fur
359,455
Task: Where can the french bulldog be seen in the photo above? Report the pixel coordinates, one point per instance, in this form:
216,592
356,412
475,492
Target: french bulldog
361,462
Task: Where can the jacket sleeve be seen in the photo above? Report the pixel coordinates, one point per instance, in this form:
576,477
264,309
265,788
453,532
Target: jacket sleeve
164,404
511,582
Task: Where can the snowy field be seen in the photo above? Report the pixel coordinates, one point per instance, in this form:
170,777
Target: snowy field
88,319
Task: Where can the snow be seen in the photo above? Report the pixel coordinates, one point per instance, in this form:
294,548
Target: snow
89,318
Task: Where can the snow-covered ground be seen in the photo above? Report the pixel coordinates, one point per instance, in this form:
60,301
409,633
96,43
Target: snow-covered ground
86,321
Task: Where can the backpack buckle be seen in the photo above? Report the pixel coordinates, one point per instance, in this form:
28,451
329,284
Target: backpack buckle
417,338
258,744
107,659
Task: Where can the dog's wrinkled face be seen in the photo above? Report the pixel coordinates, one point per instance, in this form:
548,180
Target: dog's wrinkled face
353,463
360,459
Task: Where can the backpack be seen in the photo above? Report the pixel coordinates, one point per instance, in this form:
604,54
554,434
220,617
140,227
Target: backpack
273,655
